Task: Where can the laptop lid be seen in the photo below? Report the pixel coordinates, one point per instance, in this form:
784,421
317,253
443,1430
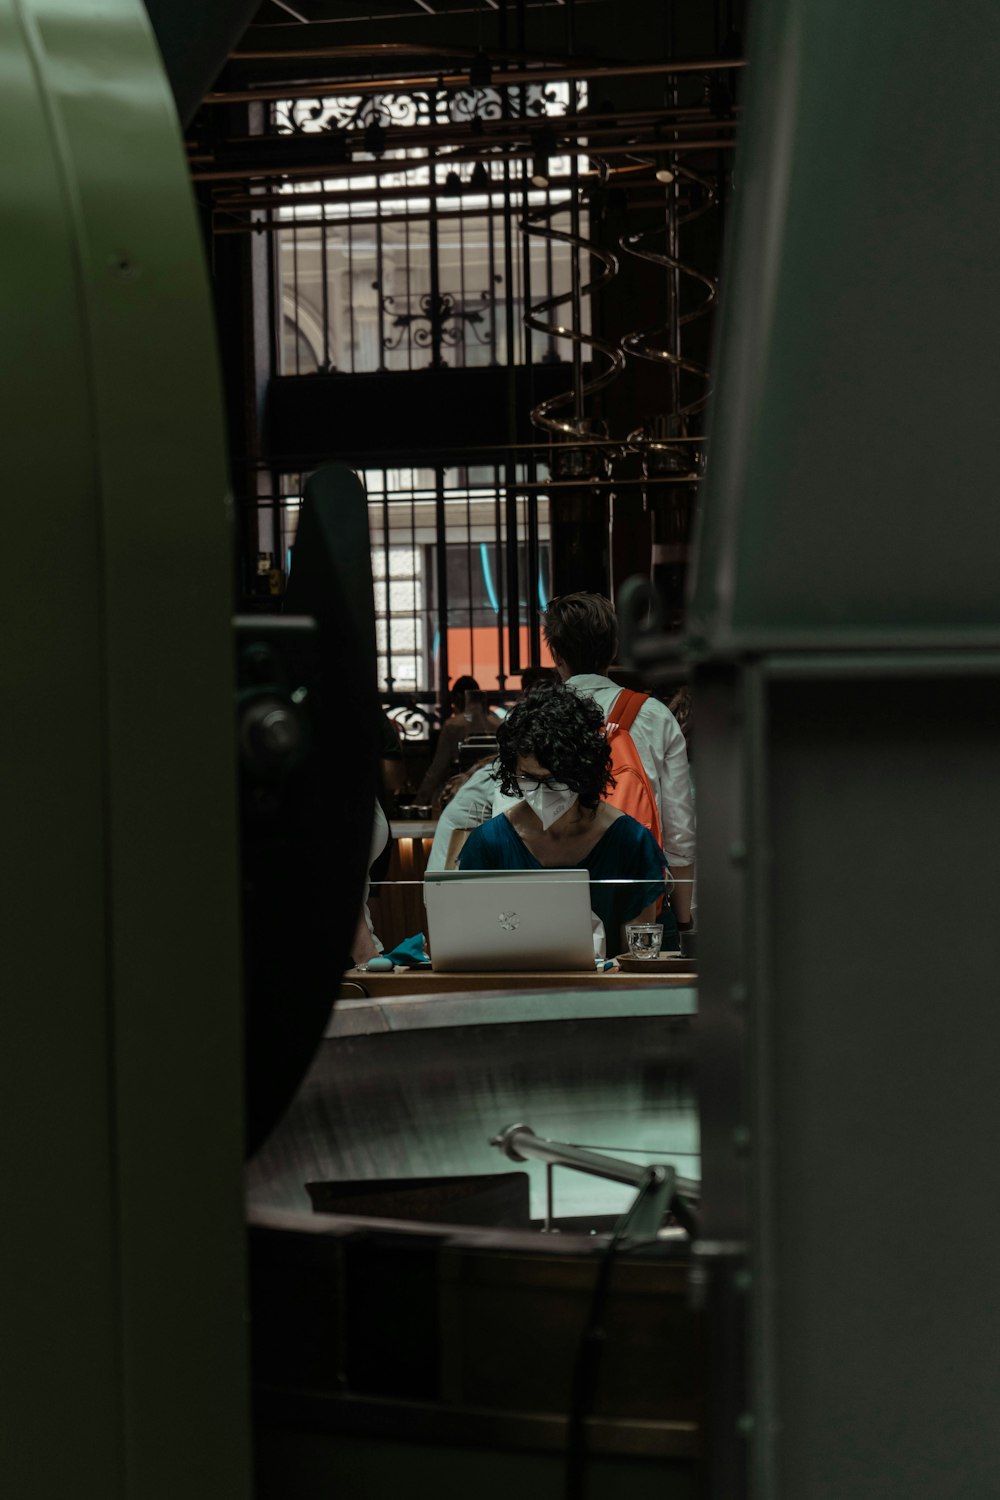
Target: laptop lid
509,919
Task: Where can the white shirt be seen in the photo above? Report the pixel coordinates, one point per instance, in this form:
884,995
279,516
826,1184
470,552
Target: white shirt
471,805
661,747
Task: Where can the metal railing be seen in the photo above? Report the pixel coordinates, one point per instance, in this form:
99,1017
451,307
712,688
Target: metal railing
659,1188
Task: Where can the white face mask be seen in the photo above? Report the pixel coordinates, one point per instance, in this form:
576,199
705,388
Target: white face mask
547,802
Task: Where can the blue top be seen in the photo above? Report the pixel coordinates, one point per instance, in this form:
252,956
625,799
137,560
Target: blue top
626,850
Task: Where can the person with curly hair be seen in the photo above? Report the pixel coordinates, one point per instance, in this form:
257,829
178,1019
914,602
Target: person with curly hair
555,759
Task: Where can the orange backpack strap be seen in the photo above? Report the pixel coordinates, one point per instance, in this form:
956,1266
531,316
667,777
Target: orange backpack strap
625,707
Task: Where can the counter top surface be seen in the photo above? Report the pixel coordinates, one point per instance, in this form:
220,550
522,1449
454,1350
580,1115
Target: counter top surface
359,983
404,1010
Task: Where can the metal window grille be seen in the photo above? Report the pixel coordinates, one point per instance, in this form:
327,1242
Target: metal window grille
434,623
387,273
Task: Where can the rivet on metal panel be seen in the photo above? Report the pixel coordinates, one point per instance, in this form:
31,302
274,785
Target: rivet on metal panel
737,852
123,267
741,1138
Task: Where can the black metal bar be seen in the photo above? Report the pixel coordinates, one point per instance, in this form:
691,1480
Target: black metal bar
435,270
499,580
295,293
526,486
673,239
492,266
510,591
380,284
533,569
463,327
389,679
350,294
328,89
513,591
249,226
324,272
441,532
409,342
418,572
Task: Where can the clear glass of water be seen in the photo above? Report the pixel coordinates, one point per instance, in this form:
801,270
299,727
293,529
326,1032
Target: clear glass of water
644,939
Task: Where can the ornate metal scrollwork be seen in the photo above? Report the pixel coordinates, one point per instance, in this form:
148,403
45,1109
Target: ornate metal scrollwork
354,112
419,107
413,721
440,320
465,105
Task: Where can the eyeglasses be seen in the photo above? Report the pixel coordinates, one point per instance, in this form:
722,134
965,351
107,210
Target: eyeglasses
546,781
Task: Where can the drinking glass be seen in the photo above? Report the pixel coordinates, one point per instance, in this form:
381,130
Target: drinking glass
644,939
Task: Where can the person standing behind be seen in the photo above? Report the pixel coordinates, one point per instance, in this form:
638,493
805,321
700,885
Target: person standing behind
581,632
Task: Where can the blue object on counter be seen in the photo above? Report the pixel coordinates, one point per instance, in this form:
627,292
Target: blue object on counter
411,953
379,964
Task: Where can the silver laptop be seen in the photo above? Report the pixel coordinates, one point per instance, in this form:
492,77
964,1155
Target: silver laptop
509,919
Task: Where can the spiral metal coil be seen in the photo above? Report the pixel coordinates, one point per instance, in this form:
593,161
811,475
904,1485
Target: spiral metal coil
538,222
657,344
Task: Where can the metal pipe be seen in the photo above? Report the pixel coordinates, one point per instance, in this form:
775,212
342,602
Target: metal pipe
316,170
542,486
296,461
368,49
441,535
520,1143
511,589
317,88
672,210
435,271
252,227
623,120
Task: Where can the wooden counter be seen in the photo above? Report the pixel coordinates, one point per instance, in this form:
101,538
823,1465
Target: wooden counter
359,983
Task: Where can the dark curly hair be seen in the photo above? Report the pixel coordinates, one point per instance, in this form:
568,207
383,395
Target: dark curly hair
565,733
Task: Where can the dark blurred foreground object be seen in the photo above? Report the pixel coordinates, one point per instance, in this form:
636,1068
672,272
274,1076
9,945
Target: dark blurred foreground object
122,1360
308,734
194,39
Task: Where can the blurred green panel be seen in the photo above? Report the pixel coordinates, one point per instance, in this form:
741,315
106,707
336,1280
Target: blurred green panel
852,471
124,1101
58,1309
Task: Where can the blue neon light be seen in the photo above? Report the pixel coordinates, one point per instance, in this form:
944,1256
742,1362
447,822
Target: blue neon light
491,593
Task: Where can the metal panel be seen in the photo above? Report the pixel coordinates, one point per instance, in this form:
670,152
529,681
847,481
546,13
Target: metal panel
123,1140
852,472
876,1038
58,1306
